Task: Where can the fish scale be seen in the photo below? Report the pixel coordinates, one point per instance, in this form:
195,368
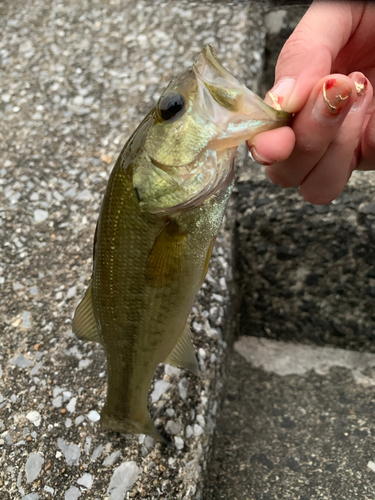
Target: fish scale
151,317
156,229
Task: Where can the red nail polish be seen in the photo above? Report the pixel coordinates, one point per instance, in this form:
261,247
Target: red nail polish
279,99
330,83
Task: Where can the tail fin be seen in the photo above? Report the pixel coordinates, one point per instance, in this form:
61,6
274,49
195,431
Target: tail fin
128,426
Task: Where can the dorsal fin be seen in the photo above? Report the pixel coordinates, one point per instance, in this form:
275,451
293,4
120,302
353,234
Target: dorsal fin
183,354
84,323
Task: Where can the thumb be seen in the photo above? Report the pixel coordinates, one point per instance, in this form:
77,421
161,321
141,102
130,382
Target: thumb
308,54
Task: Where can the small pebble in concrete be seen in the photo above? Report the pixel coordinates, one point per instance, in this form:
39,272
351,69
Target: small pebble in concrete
84,363
182,388
71,406
149,442
57,402
87,445
179,442
9,440
202,353
72,493
31,496
189,431
56,391
93,415
160,387
172,370
66,395
21,361
197,430
123,479
40,215
33,466
113,458
84,195
172,427
72,452
97,452
34,417
34,371
71,292
86,480
201,421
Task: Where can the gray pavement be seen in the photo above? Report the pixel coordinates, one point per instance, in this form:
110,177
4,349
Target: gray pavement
77,77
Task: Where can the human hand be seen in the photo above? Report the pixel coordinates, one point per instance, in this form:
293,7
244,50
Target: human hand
333,131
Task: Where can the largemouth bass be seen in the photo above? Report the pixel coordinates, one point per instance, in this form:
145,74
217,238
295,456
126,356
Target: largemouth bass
159,218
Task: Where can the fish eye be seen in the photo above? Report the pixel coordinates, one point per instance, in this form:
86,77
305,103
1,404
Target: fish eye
171,106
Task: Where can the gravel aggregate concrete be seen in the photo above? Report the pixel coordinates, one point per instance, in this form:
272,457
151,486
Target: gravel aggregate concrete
77,77
306,272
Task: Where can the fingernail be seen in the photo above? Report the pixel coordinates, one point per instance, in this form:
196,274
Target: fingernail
259,159
279,95
334,97
361,85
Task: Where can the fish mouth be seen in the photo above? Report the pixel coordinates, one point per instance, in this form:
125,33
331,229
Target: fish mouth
234,108
169,168
220,83
208,68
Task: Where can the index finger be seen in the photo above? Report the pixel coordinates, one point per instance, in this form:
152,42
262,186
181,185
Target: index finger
308,54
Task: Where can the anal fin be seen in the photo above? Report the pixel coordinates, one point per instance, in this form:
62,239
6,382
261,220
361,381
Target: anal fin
84,323
183,354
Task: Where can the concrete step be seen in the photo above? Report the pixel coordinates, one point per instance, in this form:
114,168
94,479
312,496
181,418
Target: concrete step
296,423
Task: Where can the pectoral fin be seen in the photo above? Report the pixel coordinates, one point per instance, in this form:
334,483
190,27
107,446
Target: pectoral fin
84,323
183,354
165,261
